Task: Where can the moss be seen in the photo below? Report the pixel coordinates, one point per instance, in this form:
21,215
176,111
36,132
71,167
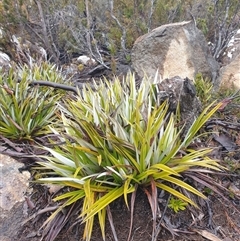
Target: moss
80,67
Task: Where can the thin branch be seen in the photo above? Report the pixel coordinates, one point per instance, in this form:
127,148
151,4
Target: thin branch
123,38
110,218
88,36
132,210
224,27
55,85
158,228
100,60
44,31
150,15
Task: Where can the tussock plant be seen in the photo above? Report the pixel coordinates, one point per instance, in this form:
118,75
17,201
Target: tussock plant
204,89
118,139
25,110
45,71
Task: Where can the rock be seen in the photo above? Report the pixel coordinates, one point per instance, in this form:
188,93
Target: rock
4,60
178,90
230,74
177,49
13,186
69,70
1,33
85,60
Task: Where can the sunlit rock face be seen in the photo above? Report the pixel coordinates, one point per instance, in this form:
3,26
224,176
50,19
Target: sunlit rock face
177,49
230,72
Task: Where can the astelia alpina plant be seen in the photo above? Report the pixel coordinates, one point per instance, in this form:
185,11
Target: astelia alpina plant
26,110
117,139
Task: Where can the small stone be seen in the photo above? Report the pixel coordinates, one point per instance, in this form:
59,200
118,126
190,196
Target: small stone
85,60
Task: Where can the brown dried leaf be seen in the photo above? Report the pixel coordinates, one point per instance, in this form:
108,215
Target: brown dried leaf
226,142
207,235
235,190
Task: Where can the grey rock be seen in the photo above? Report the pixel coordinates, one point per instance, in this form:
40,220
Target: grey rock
230,74
5,61
177,49
180,91
13,187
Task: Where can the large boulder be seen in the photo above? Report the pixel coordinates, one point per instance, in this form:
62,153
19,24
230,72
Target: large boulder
176,49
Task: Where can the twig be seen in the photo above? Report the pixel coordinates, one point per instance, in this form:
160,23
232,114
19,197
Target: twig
100,60
218,122
123,38
210,214
132,209
11,144
232,223
47,209
111,223
55,85
158,228
150,15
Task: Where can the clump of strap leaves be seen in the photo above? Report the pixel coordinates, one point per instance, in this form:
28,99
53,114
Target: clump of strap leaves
26,109
118,138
